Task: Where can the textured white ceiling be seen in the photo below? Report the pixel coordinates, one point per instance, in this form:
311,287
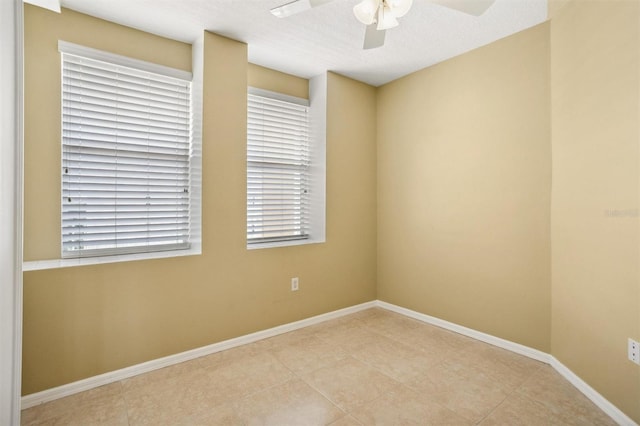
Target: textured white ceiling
327,37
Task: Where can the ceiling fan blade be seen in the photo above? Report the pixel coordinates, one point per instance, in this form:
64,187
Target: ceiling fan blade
373,37
472,7
296,6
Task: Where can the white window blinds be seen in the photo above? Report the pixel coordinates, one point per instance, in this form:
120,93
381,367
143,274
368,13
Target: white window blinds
277,170
126,139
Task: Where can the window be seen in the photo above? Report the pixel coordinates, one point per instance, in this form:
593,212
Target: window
126,155
278,168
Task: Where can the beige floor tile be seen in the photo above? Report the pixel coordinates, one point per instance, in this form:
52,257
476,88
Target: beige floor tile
189,380
427,336
455,340
109,411
160,375
179,397
369,314
350,383
153,414
563,399
515,363
340,331
434,351
234,354
505,369
350,342
307,353
293,403
179,415
522,411
289,338
395,359
346,421
345,321
222,415
372,367
403,406
391,324
54,409
234,378
435,343
471,396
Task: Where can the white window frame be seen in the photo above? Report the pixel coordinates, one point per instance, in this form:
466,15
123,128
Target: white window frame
195,183
317,169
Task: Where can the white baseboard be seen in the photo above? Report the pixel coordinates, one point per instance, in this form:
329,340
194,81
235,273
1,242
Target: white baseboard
145,367
93,382
478,335
611,410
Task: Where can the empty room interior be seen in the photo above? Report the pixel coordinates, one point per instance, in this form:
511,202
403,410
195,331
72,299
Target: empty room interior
465,246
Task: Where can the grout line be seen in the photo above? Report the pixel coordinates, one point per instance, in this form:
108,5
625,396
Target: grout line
323,394
493,410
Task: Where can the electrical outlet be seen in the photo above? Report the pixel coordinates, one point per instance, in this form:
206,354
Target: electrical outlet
634,351
294,284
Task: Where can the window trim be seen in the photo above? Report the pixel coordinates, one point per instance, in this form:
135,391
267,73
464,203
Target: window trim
175,219
125,61
317,104
295,102
197,82
278,96
39,265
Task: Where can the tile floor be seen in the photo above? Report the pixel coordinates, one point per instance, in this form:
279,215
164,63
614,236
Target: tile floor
370,368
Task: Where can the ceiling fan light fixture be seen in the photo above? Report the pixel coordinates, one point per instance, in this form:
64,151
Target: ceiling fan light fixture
386,18
400,7
365,11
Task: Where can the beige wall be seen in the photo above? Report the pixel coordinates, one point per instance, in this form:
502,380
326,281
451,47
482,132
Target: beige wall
276,81
464,187
555,6
83,321
595,68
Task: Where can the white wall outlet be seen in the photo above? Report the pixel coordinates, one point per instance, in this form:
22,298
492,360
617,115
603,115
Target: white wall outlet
294,284
634,351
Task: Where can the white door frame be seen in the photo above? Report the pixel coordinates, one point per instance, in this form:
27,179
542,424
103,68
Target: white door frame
11,142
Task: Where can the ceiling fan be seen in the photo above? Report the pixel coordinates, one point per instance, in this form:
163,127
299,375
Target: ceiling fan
381,15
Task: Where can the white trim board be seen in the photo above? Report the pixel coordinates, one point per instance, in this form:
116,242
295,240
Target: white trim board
611,410
478,335
34,399
11,147
93,382
124,61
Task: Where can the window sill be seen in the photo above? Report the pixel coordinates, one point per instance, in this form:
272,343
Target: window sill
257,246
38,265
